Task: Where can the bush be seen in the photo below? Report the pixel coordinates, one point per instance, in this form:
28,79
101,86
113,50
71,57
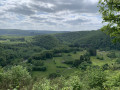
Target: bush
96,78
44,84
113,82
57,55
92,52
38,68
105,67
73,83
16,77
37,62
111,55
84,65
118,61
69,62
43,56
53,75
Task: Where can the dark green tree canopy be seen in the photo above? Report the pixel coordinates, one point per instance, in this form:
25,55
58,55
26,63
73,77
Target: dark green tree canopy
110,10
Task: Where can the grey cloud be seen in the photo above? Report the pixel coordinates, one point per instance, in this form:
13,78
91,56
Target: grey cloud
1,13
4,19
76,21
22,9
50,23
59,18
72,5
37,18
76,6
41,9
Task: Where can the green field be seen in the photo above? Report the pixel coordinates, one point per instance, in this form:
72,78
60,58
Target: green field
58,61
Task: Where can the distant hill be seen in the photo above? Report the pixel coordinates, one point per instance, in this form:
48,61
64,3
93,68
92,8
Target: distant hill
18,32
96,39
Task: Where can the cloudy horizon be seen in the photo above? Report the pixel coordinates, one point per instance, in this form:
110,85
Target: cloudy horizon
57,15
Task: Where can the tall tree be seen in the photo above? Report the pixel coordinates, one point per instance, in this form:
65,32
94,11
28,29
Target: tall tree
110,10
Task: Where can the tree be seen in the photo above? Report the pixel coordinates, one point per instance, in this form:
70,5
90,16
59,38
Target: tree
92,51
110,13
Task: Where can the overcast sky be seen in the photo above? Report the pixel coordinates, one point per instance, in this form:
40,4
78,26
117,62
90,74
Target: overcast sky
65,15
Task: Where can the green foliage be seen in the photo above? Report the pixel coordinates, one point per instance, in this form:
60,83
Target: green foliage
16,77
46,41
84,65
73,83
110,14
44,85
39,68
113,82
92,51
105,67
111,55
87,39
53,75
37,62
43,55
2,61
96,78
118,60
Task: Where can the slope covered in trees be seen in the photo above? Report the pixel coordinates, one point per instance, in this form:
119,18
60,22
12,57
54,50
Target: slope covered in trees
96,39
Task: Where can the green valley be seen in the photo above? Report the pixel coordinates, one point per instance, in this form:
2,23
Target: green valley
59,56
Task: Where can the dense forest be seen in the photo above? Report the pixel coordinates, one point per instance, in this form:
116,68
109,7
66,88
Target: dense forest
84,60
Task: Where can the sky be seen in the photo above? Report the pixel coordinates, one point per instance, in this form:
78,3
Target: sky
57,15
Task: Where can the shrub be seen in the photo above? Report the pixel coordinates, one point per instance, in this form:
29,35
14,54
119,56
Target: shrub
37,62
73,83
118,61
111,55
69,62
84,65
38,68
44,84
92,52
16,77
96,78
105,67
53,75
113,82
